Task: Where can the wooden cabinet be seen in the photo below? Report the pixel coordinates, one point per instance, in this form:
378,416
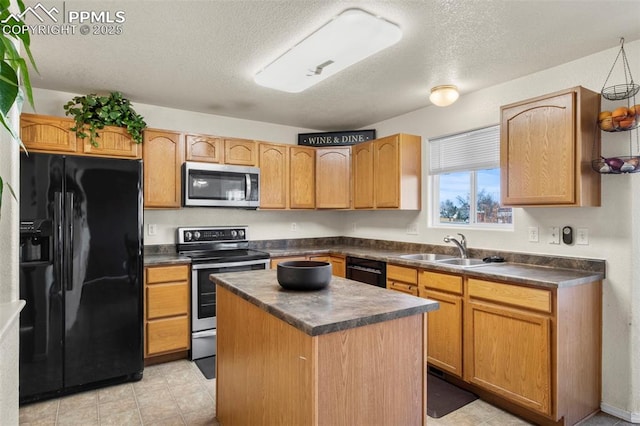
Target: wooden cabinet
41,133
163,153
403,279
333,178
398,172
339,265
363,176
207,149
274,174
387,173
536,348
276,260
546,147
166,301
241,152
444,345
302,177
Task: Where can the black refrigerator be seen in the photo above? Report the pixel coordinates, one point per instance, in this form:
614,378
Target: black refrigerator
80,273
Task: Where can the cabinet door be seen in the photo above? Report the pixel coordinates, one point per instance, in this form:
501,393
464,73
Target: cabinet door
241,152
113,142
333,178
207,149
167,335
363,176
47,134
274,162
444,336
387,172
163,158
538,152
339,265
302,178
508,351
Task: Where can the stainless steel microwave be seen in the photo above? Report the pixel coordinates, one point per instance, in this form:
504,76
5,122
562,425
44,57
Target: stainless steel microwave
219,185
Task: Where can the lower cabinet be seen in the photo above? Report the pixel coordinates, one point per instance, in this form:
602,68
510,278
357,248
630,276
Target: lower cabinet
403,279
166,300
444,336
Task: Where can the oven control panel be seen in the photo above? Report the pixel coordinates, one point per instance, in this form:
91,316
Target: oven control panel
212,234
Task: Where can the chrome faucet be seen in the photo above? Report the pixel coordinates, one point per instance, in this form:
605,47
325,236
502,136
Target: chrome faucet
462,244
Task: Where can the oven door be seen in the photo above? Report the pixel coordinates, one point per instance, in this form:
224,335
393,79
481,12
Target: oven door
203,290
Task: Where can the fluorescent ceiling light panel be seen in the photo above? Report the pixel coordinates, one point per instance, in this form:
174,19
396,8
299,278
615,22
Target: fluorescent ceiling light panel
346,39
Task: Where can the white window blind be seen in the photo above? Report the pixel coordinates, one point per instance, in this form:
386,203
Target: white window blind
474,150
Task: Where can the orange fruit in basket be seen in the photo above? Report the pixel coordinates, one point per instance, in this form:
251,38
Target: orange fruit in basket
607,124
628,122
634,110
619,113
603,115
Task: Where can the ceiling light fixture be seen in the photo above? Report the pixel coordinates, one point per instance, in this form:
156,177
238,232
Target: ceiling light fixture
348,38
444,95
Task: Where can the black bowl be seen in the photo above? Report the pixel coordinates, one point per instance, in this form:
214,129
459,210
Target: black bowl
304,274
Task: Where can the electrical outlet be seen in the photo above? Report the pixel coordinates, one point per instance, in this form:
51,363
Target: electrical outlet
582,236
152,229
533,234
294,227
554,235
412,229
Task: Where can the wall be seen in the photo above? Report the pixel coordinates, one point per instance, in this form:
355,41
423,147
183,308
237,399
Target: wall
9,287
613,228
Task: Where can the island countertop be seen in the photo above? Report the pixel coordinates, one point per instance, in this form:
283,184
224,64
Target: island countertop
342,305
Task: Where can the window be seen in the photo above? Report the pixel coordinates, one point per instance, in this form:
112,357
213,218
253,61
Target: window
465,170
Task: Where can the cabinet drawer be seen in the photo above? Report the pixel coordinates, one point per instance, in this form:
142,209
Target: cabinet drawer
525,297
444,282
401,273
167,335
402,287
164,300
165,274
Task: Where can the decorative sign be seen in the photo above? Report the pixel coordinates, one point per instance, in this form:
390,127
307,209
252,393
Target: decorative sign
348,137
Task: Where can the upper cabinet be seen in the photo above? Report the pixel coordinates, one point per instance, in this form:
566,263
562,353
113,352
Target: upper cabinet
302,177
163,154
41,133
241,152
274,167
333,178
546,147
387,173
207,149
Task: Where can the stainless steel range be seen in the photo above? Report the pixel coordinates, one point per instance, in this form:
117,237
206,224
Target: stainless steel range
213,250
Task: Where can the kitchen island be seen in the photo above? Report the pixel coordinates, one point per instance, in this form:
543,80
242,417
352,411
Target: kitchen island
348,354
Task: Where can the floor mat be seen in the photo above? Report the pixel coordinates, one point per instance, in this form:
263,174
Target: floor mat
443,397
207,366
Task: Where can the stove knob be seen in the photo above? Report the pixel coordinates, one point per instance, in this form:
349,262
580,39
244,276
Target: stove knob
196,235
234,233
187,236
241,233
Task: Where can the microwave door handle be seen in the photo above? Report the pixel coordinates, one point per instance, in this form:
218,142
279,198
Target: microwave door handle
247,178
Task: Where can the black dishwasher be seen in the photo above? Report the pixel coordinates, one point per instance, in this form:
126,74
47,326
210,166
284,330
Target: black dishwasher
367,271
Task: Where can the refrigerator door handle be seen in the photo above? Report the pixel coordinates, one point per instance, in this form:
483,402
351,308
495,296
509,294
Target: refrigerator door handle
58,238
68,248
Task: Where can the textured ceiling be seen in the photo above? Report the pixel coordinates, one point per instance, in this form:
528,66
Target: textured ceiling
202,55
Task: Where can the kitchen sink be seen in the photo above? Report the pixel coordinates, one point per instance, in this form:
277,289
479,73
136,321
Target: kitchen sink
465,263
427,256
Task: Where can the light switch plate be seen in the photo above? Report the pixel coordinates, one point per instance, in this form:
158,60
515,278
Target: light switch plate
152,229
554,235
533,234
582,236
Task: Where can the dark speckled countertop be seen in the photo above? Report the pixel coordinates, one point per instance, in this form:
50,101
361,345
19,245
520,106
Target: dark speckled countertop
343,304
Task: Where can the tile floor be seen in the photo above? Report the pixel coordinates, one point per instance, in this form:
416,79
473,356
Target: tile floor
177,393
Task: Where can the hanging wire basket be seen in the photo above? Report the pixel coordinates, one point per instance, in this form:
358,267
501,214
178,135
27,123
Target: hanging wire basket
620,91
617,165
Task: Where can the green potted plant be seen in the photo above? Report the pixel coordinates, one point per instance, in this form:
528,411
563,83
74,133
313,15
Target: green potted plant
14,74
92,112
